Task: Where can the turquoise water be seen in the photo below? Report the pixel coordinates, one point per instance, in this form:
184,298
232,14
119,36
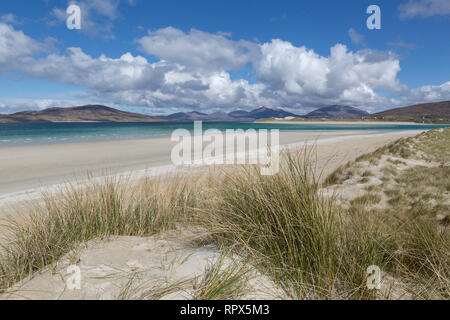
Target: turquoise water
19,134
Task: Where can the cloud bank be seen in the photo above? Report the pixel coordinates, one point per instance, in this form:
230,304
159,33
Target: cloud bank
193,72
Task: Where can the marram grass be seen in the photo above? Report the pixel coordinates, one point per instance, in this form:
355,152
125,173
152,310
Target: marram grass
311,246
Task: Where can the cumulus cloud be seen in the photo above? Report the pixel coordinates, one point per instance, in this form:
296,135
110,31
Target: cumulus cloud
424,8
302,74
428,94
133,80
15,47
193,73
198,49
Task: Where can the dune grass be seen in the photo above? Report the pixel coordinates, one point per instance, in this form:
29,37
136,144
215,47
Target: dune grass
225,279
415,216
310,245
294,234
112,207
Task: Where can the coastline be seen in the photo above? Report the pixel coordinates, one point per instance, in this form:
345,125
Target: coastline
359,122
27,171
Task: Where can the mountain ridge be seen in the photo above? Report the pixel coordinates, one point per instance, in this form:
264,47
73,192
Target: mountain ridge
99,113
337,112
238,115
432,110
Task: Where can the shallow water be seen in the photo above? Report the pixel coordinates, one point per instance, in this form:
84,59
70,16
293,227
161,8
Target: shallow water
20,134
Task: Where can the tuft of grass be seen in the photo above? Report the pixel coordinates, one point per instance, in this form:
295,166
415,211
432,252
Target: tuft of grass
367,199
367,173
389,171
334,177
223,280
364,180
422,255
293,233
144,290
113,207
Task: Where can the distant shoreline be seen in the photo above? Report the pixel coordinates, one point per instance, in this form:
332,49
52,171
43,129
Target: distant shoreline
342,122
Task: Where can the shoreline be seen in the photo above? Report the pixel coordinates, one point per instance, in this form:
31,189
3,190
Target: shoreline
339,146
347,122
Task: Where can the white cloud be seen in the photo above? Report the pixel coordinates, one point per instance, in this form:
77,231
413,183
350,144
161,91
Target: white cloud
198,49
193,73
9,18
15,46
14,105
356,37
428,94
344,76
133,80
424,8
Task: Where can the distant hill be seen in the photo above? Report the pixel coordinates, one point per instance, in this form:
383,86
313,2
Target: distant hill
239,115
434,111
185,116
264,112
198,116
337,112
84,113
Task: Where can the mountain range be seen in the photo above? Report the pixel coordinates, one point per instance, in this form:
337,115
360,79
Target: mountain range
430,111
239,115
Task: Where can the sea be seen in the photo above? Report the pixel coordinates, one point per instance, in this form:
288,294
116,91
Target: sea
23,134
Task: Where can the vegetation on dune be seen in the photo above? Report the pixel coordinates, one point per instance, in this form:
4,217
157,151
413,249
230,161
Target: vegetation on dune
413,181
100,209
313,246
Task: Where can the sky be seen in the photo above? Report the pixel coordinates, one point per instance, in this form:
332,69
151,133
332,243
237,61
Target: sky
160,57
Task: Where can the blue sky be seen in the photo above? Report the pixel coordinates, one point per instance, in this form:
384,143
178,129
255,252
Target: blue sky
206,55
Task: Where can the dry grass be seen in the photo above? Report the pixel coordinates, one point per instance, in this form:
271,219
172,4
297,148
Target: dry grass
224,280
283,225
114,207
415,216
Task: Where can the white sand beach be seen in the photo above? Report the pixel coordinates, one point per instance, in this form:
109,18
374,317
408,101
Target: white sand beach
25,171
